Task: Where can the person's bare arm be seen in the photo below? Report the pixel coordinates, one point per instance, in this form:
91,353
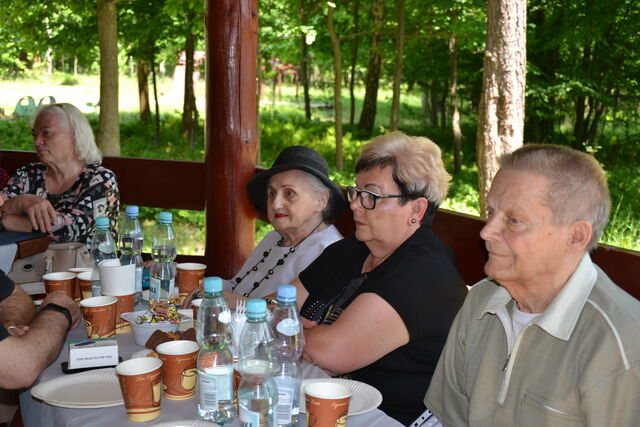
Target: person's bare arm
13,222
38,212
25,357
367,330
232,299
17,309
301,292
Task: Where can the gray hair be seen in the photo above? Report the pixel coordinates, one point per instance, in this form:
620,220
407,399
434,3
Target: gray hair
84,141
417,165
577,189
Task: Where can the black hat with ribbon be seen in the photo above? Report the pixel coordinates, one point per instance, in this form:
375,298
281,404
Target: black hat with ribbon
307,160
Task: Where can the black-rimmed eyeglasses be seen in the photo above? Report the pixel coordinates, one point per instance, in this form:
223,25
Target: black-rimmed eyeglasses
368,198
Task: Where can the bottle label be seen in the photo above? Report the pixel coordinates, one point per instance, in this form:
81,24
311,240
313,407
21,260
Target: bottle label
288,327
249,418
139,279
286,388
224,316
154,288
215,385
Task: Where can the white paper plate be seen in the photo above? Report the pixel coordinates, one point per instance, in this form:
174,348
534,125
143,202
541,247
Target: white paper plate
365,398
141,353
92,389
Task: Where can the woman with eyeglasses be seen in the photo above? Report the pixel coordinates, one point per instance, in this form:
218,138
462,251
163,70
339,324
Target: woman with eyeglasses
378,304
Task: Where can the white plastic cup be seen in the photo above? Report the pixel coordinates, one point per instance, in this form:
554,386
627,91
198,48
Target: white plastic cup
116,279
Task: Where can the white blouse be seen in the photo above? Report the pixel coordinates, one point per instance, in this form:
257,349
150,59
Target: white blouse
294,263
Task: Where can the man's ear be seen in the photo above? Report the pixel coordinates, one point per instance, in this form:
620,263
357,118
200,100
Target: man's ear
580,237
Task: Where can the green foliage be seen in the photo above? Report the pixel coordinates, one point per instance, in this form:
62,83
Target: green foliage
69,80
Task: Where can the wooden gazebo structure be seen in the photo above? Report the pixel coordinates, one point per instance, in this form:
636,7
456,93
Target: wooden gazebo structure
217,185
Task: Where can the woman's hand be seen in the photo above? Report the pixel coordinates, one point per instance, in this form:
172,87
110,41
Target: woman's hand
40,212
232,299
187,300
308,324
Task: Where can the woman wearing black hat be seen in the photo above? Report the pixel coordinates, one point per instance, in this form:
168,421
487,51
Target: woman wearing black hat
300,201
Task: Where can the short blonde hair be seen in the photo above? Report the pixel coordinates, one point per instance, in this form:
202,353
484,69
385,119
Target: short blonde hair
85,143
417,167
577,189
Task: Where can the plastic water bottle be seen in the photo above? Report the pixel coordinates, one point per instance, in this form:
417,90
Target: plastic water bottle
289,338
130,243
163,252
102,248
258,392
215,363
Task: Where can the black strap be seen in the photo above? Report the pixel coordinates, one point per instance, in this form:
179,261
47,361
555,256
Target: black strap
60,309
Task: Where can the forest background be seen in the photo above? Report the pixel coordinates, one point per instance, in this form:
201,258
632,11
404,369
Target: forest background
582,86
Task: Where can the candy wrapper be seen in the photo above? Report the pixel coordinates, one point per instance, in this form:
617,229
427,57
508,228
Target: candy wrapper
161,311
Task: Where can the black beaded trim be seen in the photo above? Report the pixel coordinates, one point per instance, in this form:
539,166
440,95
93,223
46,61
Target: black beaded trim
279,262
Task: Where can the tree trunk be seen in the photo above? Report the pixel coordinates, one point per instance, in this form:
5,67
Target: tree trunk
156,136
189,105
337,88
143,90
501,110
581,124
433,98
370,104
442,107
455,114
397,66
304,66
354,60
109,132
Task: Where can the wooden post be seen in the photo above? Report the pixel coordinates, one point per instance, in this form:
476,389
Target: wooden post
231,32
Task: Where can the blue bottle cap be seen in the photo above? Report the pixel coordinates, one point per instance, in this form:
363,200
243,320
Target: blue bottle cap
102,222
132,211
165,217
256,308
212,285
286,293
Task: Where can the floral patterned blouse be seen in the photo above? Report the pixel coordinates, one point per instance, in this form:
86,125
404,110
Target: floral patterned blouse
94,194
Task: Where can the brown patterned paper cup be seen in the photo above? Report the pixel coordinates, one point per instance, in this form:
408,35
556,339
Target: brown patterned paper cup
189,275
62,281
77,294
84,283
327,404
195,306
124,305
99,316
179,368
140,384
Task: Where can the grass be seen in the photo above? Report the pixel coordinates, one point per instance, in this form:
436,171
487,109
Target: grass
282,124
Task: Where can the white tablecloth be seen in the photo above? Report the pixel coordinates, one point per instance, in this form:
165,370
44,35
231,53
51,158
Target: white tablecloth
36,413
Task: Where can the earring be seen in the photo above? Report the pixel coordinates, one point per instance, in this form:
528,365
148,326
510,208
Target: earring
413,220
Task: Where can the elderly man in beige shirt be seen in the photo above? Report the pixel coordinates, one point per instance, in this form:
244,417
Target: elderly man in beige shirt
547,339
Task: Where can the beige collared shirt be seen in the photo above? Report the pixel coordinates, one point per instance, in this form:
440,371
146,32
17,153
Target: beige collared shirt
577,363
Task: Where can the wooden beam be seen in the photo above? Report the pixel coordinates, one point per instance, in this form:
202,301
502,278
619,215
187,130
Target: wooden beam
143,182
231,34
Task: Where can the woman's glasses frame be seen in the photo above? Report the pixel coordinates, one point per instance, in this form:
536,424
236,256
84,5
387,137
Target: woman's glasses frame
368,198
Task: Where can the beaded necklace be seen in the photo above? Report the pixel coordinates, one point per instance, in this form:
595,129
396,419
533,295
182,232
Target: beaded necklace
279,262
